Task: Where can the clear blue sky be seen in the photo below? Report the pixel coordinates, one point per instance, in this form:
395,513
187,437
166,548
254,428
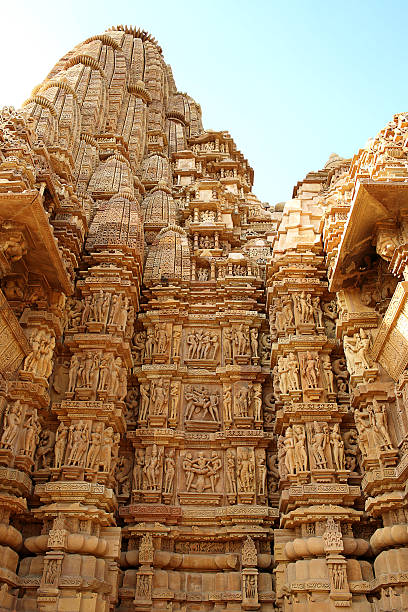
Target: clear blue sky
292,81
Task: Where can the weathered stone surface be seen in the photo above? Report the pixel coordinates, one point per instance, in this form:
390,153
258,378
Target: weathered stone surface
204,398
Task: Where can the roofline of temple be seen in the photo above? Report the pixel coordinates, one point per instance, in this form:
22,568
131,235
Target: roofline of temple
137,33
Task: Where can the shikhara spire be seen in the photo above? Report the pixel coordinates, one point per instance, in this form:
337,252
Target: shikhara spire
203,397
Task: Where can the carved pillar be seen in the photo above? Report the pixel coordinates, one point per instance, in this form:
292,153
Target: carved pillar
311,427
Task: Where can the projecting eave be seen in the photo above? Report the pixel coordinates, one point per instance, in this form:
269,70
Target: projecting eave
373,202
43,254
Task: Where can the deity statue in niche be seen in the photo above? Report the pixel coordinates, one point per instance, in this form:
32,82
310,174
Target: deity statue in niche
245,470
151,469
242,402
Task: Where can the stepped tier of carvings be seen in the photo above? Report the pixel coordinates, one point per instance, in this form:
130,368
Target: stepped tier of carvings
203,398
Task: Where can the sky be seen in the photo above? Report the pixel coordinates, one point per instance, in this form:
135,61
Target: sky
292,81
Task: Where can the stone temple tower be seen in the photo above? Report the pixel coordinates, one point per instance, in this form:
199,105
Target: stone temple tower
203,398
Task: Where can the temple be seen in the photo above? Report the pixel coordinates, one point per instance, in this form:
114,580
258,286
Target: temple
203,397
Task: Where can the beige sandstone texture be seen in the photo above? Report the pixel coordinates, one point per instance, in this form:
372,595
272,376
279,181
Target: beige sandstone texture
203,398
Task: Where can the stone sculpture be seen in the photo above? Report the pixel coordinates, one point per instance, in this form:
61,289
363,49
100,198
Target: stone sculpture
181,363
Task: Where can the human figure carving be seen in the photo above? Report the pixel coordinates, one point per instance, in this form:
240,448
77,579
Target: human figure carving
121,390
330,316
87,310
250,588
158,399
96,306
73,373
11,427
105,372
60,444
79,444
328,373
242,402
261,466
176,341
273,473
227,403
215,465
227,342
202,274
202,473
114,452
85,370
191,345
149,343
282,447
287,312
138,470
44,367
276,379
32,360
113,376
188,470
202,344
31,434
241,340
337,446
257,401
311,370
145,401
378,420
94,449
130,322
341,375
304,307
161,338
213,406
266,344
169,472
14,246
115,310
277,318
122,476
174,399
361,420
320,440
289,444
105,455
338,576
74,314
245,471
45,449
231,476
292,374
151,469
317,312
254,342
201,402
356,350
283,375
123,314
299,439
139,343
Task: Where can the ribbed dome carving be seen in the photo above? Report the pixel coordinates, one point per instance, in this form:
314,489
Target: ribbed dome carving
159,209
169,257
155,168
112,176
117,224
